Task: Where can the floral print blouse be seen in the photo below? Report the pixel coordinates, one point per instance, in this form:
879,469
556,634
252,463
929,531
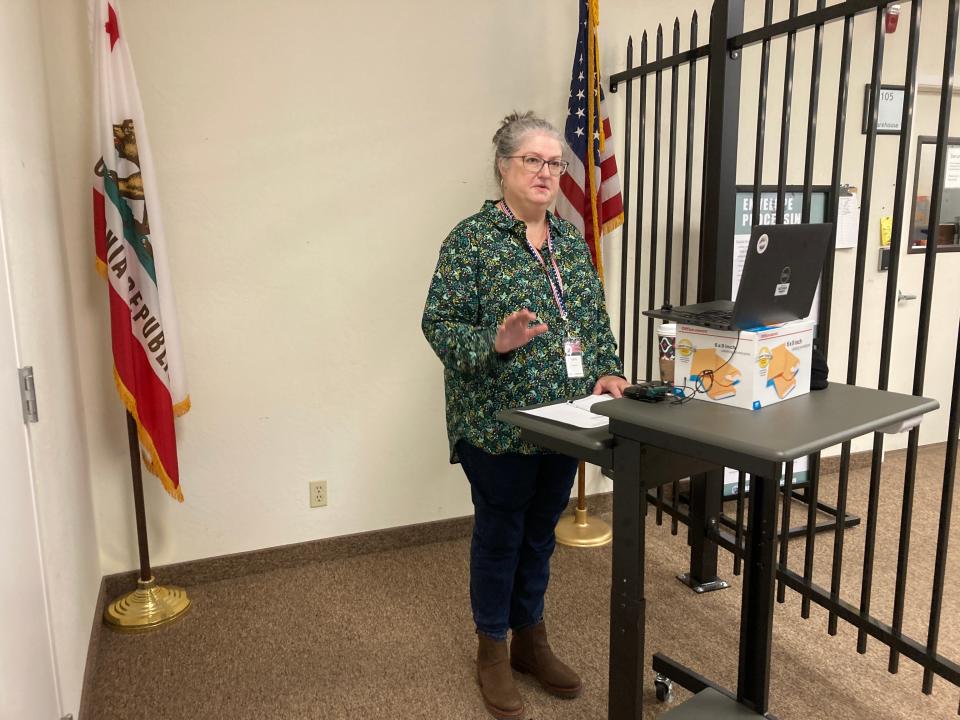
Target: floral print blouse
485,272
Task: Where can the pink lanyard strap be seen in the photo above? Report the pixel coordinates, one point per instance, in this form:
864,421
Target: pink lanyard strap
557,287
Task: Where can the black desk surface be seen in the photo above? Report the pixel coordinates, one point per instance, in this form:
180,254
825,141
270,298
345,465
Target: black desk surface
595,445
774,434
710,704
777,433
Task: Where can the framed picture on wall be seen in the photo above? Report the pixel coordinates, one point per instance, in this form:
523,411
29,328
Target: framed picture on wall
947,232
889,109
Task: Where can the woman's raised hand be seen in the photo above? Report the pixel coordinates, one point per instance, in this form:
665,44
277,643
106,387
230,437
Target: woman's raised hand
515,331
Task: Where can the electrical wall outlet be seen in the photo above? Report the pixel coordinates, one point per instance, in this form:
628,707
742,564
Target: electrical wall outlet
318,493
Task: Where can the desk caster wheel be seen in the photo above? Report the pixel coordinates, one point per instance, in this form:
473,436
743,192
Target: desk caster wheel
664,687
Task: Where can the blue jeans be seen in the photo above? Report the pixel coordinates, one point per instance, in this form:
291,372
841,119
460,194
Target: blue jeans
517,501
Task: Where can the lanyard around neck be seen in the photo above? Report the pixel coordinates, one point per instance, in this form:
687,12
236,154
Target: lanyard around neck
557,287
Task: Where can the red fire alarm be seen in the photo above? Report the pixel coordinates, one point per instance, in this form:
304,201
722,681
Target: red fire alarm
892,17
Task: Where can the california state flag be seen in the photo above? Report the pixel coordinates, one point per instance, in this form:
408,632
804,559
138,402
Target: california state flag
131,254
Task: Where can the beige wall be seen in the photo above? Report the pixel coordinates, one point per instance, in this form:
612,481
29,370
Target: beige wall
311,157
61,520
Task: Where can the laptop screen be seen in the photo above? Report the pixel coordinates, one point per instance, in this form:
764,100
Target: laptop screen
780,273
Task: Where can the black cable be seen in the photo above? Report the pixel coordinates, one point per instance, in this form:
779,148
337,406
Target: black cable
698,386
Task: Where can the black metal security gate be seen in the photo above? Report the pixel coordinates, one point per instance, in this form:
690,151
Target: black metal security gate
653,269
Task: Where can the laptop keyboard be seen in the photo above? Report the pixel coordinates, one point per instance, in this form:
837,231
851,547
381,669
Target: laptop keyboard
718,316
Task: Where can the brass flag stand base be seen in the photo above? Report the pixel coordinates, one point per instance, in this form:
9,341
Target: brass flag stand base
580,530
147,607
150,605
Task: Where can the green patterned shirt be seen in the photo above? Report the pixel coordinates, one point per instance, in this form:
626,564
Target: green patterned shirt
485,272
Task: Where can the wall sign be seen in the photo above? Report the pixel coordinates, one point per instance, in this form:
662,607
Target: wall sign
889,109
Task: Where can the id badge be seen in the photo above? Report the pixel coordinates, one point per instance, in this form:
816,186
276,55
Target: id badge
573,354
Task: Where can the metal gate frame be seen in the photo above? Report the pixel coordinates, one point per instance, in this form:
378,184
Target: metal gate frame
723,53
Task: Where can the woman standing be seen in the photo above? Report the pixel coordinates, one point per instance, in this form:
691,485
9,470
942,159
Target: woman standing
516,313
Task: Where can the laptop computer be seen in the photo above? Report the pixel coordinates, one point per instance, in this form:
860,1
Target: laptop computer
780,277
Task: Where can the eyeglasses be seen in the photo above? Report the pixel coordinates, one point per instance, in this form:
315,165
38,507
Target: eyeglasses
534,164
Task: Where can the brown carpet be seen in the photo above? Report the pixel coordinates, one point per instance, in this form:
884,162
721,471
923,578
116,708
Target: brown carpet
389,635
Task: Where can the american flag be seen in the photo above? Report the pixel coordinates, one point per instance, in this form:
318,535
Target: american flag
590,190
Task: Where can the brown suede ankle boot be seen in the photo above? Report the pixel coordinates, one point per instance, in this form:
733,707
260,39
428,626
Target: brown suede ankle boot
499,693
530,653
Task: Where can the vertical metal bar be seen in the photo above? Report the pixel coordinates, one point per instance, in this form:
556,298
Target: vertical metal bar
761,116
675,504
706,502
756,625
688,170
785,525
906,137
655,207
843,93
671,169
741,490
813,465
838,533
814,106
638,230
627,601
946,495
785,118
723,120
823,325
936,205
136,474
659,505
866,197
625,232
811,498
900,191
703,188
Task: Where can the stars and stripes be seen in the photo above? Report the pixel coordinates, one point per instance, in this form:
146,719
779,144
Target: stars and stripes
590,190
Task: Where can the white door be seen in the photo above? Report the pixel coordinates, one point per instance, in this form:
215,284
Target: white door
27,681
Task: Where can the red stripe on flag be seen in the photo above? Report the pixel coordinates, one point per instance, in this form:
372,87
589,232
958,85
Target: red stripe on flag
608,167
573,192
589,238
612,208
100,225
580,202
154,406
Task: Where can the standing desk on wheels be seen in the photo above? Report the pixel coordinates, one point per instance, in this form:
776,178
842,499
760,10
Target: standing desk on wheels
650,444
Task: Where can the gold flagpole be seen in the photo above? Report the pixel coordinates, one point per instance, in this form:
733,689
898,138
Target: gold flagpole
580,530
150,605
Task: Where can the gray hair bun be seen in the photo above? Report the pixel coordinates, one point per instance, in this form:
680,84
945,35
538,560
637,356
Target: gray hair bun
510,134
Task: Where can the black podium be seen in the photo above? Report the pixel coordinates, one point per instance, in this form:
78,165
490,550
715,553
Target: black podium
651,444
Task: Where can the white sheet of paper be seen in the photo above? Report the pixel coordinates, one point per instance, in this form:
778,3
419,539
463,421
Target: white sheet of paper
741,243
952,177
587,403
848,220
576,413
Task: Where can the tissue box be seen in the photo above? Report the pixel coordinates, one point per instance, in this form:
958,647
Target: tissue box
766,366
